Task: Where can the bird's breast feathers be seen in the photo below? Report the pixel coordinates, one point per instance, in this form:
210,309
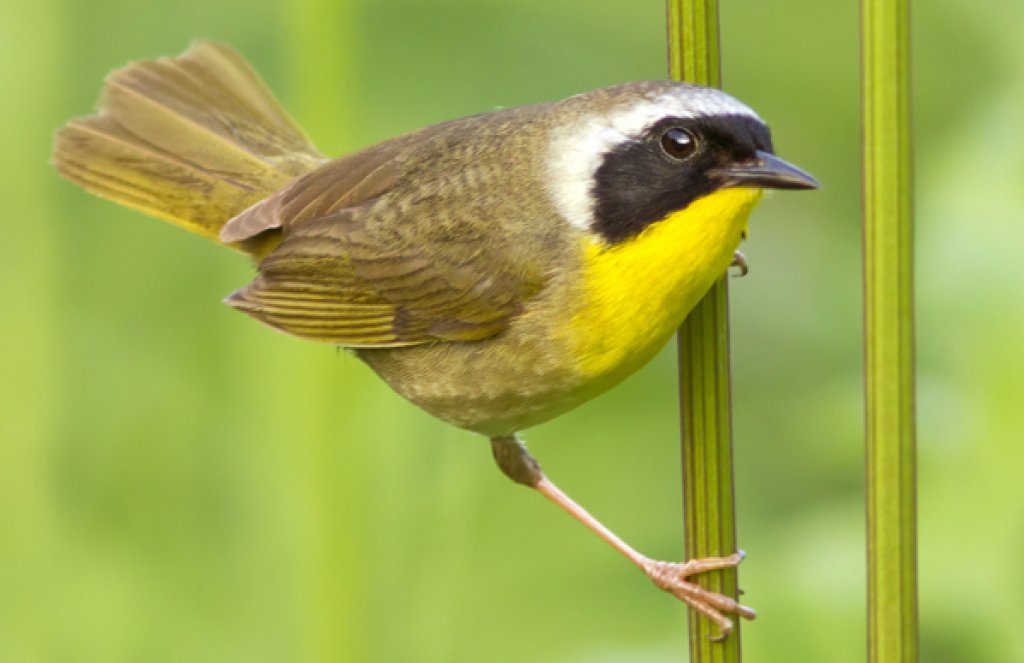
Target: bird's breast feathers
637,293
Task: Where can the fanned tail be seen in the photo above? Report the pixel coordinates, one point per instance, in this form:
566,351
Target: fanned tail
194,139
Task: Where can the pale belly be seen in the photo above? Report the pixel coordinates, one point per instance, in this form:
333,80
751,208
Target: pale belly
494,387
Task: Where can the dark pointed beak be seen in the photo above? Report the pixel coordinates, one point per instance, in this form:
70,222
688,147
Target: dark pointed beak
766,171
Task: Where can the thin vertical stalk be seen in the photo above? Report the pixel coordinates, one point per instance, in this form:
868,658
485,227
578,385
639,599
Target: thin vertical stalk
704,383
889,334
336,585
32,346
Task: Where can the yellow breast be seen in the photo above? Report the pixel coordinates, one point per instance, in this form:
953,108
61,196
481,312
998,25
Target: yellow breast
637,293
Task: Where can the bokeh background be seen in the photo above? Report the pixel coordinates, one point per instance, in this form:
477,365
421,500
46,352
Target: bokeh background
178,483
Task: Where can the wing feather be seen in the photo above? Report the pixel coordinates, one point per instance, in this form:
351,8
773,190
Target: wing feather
392,246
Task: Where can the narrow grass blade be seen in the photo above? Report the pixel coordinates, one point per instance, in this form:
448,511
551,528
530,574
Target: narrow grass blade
704,383
889,334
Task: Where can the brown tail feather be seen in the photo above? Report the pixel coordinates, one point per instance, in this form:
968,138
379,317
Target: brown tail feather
194,140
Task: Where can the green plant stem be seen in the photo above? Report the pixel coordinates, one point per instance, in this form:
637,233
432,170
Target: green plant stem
336,572
889,334
704,384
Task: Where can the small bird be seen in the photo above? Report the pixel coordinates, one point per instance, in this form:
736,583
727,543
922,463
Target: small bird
495,270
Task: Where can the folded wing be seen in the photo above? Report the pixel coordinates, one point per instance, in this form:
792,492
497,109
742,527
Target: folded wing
379,249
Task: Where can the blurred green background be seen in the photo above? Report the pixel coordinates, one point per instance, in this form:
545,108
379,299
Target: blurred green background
178,483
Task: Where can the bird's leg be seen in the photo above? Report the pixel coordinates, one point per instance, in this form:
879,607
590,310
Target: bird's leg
521,467
740,260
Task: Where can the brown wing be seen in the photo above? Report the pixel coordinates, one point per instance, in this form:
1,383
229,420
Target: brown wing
413,241
344,182
332,280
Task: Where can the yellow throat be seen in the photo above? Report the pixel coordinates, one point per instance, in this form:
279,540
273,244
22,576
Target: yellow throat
638,292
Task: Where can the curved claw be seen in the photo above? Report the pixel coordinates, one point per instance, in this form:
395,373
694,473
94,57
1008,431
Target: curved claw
722,635
672,577
739,260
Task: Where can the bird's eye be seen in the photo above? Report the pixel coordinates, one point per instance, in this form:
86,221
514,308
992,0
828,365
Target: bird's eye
678,143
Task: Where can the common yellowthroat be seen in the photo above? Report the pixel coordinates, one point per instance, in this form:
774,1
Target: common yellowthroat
495,270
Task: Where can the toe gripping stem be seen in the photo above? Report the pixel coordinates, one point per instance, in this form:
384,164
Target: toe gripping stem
674,578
